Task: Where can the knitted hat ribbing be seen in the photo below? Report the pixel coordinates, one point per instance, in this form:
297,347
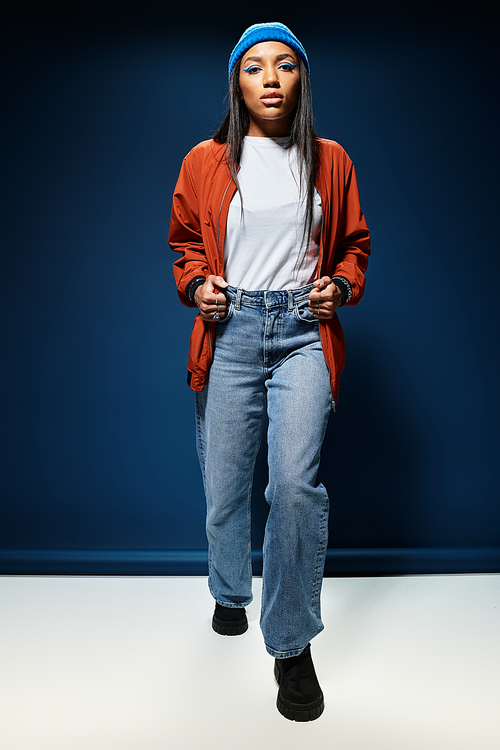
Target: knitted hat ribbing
266,32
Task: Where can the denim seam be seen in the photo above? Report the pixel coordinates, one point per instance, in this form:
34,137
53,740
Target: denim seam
320,558
201,444
249,525
285,654
202,459
264,344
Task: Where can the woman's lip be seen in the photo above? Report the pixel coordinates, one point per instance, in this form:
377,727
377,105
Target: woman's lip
271,99
272,95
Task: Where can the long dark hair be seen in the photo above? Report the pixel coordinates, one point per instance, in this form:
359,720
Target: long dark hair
302,134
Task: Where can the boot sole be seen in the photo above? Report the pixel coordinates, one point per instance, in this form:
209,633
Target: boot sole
298,711
224,628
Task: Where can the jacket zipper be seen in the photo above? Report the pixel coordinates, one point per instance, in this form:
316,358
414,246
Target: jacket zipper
221,259
322,254
321,248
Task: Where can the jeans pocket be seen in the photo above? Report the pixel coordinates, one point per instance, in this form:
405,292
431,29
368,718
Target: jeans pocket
302,312
229,312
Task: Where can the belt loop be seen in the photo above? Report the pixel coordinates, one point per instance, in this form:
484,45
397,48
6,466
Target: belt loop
290,300
239,292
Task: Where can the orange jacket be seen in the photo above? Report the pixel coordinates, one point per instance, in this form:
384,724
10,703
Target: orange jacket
198,227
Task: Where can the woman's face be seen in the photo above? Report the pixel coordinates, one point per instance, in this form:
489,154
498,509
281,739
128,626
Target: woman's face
270,85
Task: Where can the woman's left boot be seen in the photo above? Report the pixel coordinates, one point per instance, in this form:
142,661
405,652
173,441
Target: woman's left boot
300,697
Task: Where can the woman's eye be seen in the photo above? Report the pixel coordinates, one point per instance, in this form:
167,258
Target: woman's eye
287,66
251,69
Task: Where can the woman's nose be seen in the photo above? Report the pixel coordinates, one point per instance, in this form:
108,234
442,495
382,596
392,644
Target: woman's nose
271,78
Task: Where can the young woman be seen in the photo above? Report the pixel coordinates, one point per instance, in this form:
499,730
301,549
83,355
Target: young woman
267,219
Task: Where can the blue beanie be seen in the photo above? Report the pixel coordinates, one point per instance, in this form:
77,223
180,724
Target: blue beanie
266,32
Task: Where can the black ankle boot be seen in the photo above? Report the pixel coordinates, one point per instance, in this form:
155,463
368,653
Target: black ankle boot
299,697
229,620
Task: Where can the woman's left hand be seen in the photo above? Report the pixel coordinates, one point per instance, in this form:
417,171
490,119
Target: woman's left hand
324,298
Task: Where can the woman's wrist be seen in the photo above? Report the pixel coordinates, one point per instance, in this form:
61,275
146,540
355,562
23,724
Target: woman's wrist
345,288
193,285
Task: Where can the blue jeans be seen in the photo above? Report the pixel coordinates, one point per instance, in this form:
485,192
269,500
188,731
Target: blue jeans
267,352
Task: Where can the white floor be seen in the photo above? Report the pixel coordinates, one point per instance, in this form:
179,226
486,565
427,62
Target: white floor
131,663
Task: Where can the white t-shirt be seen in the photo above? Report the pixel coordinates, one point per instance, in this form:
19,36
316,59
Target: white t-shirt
263,242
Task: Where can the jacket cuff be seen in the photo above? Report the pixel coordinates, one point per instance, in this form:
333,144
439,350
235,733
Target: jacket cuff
193,285
345,288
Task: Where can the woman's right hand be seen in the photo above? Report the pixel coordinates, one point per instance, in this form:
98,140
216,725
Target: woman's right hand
210,300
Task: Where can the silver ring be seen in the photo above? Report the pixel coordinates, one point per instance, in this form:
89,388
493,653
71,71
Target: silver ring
217,300
317,305
216,315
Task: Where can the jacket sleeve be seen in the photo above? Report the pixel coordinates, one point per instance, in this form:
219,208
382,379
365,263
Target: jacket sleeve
185,235
353,246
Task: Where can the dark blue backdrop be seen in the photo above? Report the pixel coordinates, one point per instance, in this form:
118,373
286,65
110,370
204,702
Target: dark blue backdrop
99,468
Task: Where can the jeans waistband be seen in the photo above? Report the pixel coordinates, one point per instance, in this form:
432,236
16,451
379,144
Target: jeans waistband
267,298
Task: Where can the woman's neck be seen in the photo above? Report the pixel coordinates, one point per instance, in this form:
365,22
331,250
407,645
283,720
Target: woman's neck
269,128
